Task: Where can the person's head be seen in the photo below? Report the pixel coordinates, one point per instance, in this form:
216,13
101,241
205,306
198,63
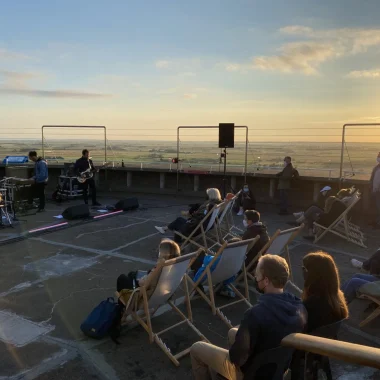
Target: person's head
378,158
325,190
287,160
246,188
321,279
251,217
85,153
213,194
343,193
32,155
168,249
272,274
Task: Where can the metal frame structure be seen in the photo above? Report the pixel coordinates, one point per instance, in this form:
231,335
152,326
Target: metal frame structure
75,126
212,127
344,140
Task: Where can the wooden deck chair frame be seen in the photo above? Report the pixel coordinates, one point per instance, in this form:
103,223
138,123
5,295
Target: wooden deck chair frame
193,237
294,232
214,288
137,308
228,230
375,313
342,227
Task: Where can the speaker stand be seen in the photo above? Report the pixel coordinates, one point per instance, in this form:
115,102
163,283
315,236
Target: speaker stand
224,172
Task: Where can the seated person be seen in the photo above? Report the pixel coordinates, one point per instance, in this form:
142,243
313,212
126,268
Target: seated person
372,265
323,300
276,315
254,227
245,201
196,214
168,249
334,207
322,196
345,195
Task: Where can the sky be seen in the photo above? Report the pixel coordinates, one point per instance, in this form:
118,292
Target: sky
294,69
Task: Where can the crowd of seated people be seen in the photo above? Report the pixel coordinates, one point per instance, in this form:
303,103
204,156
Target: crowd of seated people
277,313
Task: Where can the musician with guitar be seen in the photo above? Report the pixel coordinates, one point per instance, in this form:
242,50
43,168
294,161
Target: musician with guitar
85,170
38,181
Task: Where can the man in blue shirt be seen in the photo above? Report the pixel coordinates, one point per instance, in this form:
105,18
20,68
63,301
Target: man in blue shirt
39,179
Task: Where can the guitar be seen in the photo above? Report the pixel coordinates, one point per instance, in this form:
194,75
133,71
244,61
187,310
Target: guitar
88,173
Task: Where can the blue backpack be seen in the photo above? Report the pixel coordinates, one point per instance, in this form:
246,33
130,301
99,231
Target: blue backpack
102,319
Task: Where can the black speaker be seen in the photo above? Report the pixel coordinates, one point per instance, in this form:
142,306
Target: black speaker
226,135
76,212
127,204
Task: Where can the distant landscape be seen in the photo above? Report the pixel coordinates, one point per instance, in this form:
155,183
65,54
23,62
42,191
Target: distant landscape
307,157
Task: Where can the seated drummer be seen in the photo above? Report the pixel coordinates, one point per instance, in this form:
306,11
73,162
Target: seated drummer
39,179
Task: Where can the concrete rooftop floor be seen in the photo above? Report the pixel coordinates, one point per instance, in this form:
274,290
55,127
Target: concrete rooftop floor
49,283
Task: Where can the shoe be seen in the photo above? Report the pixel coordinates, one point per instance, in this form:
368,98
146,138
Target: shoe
356,264
297,215
161,230
227,292
96,204
240,213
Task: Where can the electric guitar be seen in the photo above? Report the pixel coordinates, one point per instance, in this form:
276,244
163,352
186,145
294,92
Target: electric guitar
88,173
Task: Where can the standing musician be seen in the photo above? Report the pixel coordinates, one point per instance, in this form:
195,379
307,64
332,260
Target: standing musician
39,180
82,164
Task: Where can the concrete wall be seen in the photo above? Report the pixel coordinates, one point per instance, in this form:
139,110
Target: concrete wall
156,181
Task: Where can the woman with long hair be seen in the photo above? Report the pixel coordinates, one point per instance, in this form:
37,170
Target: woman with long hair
322,298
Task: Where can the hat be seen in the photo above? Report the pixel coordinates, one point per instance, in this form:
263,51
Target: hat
326,188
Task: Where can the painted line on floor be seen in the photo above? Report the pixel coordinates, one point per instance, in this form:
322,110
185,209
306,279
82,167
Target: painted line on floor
134,242
112,229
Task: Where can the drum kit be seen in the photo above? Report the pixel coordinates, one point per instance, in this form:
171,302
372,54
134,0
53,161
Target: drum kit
13,194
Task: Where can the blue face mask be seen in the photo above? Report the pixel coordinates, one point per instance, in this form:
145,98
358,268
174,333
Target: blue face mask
245,189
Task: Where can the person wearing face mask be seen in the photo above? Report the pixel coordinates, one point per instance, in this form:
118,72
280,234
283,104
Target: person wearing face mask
375,190
276,315
254,227
245,201
284,183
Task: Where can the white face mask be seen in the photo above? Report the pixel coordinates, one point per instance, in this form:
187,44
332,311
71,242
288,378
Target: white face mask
378,160
246,189
245,223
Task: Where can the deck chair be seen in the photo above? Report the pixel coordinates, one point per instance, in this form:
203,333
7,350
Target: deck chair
277,245
231,260
202,234
342,227
141,308
371,292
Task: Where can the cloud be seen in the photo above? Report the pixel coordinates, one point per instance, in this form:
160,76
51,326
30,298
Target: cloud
364,74
313,48
303,57
52,93
162,64
190,96
7,54
16,83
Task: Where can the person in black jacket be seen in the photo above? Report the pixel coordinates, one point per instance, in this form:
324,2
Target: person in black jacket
275,315
254,227
334,207
81,165
245,201
195,215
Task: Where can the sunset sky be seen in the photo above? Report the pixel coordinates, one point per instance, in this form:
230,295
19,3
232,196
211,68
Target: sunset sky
142,68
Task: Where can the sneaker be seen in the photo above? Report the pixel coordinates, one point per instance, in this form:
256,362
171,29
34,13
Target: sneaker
356,264
297,215
240,213
227,292
161,230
